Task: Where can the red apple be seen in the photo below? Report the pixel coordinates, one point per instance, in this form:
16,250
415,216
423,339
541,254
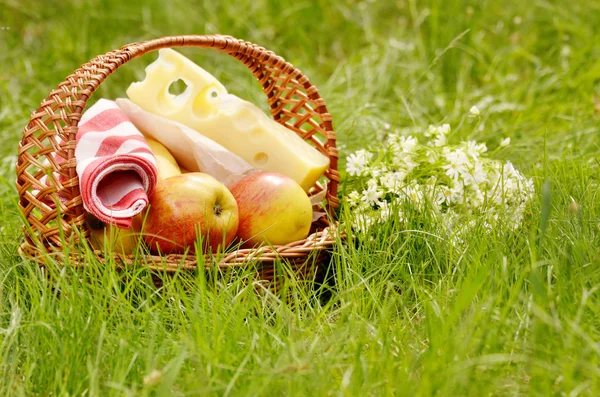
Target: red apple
185,206
273,208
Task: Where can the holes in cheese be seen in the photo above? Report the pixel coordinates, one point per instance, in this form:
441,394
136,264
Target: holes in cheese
177,87
174,94
239,126
260,159
206,102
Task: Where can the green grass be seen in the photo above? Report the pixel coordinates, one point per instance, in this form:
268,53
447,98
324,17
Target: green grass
410,314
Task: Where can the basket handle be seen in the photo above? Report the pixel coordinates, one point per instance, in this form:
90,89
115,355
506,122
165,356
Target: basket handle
59,115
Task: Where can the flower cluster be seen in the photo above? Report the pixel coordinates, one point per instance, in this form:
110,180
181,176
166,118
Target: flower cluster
453,182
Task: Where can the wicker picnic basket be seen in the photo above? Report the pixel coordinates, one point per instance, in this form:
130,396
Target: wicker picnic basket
294,102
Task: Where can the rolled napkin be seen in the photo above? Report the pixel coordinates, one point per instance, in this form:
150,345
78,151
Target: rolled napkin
116,168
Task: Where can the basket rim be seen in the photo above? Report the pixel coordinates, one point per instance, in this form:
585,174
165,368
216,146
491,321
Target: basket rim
316,242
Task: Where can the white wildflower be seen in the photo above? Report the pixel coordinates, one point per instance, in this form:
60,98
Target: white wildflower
474,111
454,195
363,222
494,174
357,162
414,193
476,198
457,163
456,156
391,181
432,130
410,163
405,161
375,172
505,142
454,171
444,129
384,213
496,195
476,175
353,198
433,156
441,194
354,168
528,189
392,143
472,149
508,169
440,140
408,144
372,193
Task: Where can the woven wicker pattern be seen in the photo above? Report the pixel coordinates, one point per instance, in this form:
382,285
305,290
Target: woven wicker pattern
294,103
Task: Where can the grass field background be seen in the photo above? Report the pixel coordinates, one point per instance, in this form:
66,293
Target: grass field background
515,314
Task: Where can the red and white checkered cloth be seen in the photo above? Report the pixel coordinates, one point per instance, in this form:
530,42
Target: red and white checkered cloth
116,168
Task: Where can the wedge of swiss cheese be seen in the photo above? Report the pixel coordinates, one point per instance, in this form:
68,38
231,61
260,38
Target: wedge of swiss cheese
237,125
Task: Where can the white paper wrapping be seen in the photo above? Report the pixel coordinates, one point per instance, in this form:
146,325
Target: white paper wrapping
192,150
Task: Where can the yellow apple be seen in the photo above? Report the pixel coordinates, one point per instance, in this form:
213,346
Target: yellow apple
165,162
185,206
273,208
122,241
